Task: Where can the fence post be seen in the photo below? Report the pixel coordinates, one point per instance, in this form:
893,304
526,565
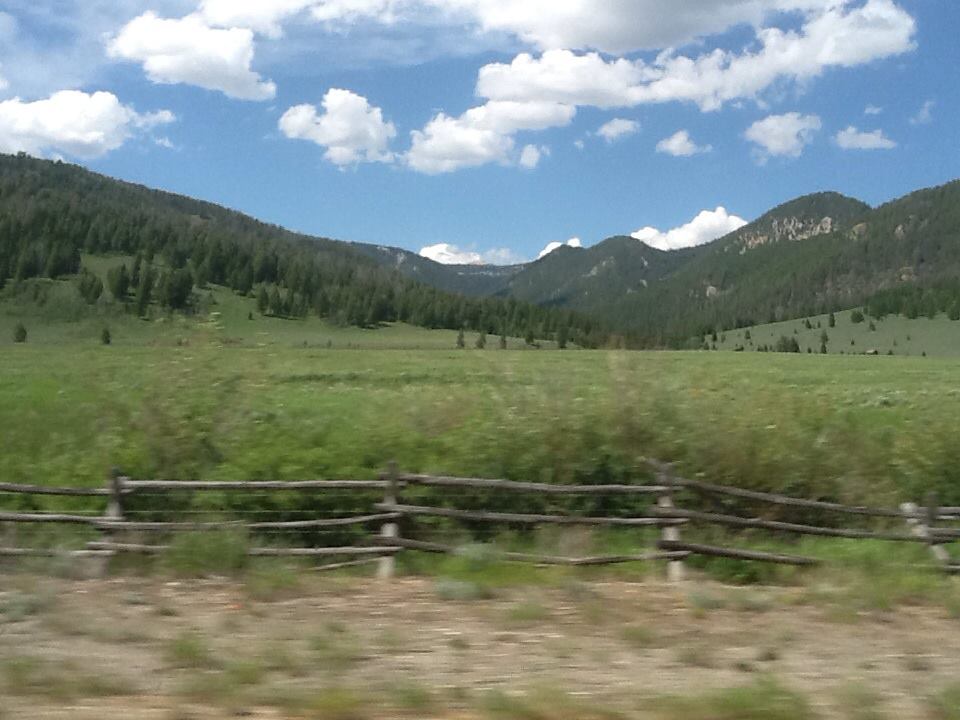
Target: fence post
114,513
669,533
387,565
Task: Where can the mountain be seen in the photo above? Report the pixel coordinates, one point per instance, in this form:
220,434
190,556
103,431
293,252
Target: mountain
474,280
52,212
814,254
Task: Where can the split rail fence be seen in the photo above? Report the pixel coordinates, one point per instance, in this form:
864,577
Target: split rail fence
388,524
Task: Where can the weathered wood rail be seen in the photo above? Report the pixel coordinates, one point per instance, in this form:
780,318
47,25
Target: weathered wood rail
121,533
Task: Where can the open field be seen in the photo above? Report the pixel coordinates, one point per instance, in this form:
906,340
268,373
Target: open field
858,429
896,334
285,645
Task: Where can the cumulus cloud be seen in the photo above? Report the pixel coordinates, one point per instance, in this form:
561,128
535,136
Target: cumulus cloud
618,128
839,36
872,110
924,115
263,17
188,50
854,139
706,227
613,26
351,130
483,135
783,135
447,254
73,123
680,145
531,155
572,242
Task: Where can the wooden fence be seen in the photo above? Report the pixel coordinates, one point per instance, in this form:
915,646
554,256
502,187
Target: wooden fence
377,530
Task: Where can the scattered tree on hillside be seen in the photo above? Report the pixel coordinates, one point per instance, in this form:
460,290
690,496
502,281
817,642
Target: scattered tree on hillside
461,342
19,333
503,341
263,300
118,280
562,337
105,337
481,341
832,320
145,290
856,317
90,286
787,345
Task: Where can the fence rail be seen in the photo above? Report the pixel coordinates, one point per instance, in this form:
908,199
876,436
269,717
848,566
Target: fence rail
122,533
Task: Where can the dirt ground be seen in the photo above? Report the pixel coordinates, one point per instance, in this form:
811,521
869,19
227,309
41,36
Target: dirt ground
150,648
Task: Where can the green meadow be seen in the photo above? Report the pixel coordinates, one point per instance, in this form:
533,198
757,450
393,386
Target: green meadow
894,334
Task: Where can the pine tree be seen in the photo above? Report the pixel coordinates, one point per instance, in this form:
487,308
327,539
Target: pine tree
263,300
503,341
105,337
19,333
832,320
461,342
481,341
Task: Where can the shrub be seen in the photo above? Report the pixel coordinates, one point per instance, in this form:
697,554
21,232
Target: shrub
856,317
222,552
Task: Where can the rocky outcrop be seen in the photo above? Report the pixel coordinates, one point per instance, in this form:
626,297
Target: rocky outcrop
791,229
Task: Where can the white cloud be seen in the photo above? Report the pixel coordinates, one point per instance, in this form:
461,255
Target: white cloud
783,135
680,145
854,139
262,16
706,227
189,51
924,115
447,254
531,155
872,110
572,242
482,135
612,26
618,128
72,122
839,36
351,130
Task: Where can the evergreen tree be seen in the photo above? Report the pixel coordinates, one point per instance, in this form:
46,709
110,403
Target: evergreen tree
19,333
562,337
503,341
145,290
263,300
832,320
90,286
481,341
118,280
461,342
105,337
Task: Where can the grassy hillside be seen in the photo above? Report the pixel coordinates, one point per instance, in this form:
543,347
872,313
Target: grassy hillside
52,213
55,316
894,334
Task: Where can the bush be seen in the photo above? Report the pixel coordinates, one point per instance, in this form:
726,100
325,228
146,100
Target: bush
221,552
19,333
105,337
856,317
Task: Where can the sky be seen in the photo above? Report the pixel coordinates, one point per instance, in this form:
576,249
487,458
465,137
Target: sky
491,130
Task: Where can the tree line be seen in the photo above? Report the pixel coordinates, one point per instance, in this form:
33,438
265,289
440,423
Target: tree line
52,213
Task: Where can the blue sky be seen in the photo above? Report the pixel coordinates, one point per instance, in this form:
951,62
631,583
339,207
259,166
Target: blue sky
486,129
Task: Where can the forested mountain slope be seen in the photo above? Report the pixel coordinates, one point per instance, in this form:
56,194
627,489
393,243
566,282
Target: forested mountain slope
51,212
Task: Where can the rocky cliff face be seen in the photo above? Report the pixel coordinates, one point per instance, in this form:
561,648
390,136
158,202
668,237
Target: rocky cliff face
791,229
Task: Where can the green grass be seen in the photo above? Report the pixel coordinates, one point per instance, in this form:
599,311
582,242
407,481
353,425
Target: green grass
938,337
763,700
